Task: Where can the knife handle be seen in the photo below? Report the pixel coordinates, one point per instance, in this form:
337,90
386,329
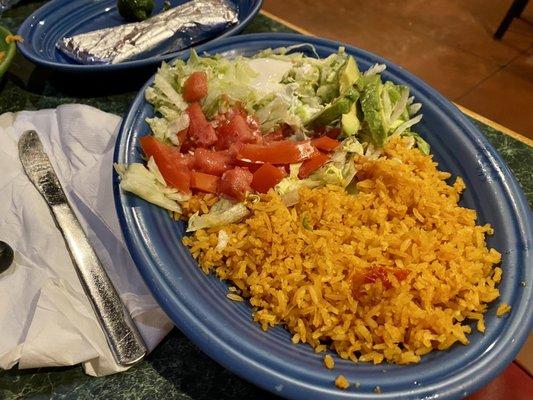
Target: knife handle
122,335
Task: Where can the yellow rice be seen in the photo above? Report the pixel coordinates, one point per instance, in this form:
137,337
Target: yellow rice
341,382
311,278
234,297
199,203
329,362
503,309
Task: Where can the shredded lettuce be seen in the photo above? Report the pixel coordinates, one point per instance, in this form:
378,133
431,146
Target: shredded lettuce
407,124
166,128
165,94
375,69
222,213
148,184
352,145
420,143
292,183
339,170
223,240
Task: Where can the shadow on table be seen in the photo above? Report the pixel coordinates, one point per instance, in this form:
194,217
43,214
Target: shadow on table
30,87
176,369
88,85
193,373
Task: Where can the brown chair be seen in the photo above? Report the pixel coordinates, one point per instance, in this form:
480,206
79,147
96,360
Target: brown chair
514,12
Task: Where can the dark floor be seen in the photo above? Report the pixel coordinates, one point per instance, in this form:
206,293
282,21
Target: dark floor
448,43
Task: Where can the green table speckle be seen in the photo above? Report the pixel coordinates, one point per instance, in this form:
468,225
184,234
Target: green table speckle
176,369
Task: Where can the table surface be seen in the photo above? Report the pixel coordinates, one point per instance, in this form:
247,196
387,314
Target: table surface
177,369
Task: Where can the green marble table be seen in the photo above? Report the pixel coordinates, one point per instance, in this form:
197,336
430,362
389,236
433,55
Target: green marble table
176,369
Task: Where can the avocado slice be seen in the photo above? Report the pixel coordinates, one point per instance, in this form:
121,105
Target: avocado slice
331,113
352,94
350,123
364,80
349,75
372,107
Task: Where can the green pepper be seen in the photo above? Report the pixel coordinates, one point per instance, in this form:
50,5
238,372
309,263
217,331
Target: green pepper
135,10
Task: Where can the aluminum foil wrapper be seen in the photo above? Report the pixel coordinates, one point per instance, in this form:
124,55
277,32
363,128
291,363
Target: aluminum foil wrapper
169,31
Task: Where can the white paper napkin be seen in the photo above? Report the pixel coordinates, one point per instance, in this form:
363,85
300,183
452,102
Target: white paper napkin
45,317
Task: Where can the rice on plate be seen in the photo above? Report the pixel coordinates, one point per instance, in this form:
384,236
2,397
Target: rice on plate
305,186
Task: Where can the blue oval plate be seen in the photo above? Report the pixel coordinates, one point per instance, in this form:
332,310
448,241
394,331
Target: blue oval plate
224,329
60,18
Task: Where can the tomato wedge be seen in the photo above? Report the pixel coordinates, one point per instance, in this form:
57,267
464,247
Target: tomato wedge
195,87
204,182
274,136
171,163
311,165
325,143
235,130
250,166
200,131
374,274
212,162
235,183
266,177
280,152
182,138
333,133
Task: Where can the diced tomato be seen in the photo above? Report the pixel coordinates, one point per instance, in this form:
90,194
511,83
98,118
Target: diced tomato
400,273
204,182
195,87
325,143
253,124
235,183
182,139
312,164
280,152
266,177
274,136
229,114
373,274
250,166
237,109
234,131
200,132
212,162
171,163
333,133
328,131
152,147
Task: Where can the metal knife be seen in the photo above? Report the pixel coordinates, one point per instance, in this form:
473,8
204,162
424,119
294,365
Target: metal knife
125,342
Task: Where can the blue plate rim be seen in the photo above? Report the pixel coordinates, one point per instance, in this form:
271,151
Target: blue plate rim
156,60
508,345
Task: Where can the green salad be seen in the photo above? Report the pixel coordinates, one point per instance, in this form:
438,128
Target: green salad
238,126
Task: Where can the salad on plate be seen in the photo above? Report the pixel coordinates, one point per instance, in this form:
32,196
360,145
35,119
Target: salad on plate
278,120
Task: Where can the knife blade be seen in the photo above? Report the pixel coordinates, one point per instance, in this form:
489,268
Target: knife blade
124,340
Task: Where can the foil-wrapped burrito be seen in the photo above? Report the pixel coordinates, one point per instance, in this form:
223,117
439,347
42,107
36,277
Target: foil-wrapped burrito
169,31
